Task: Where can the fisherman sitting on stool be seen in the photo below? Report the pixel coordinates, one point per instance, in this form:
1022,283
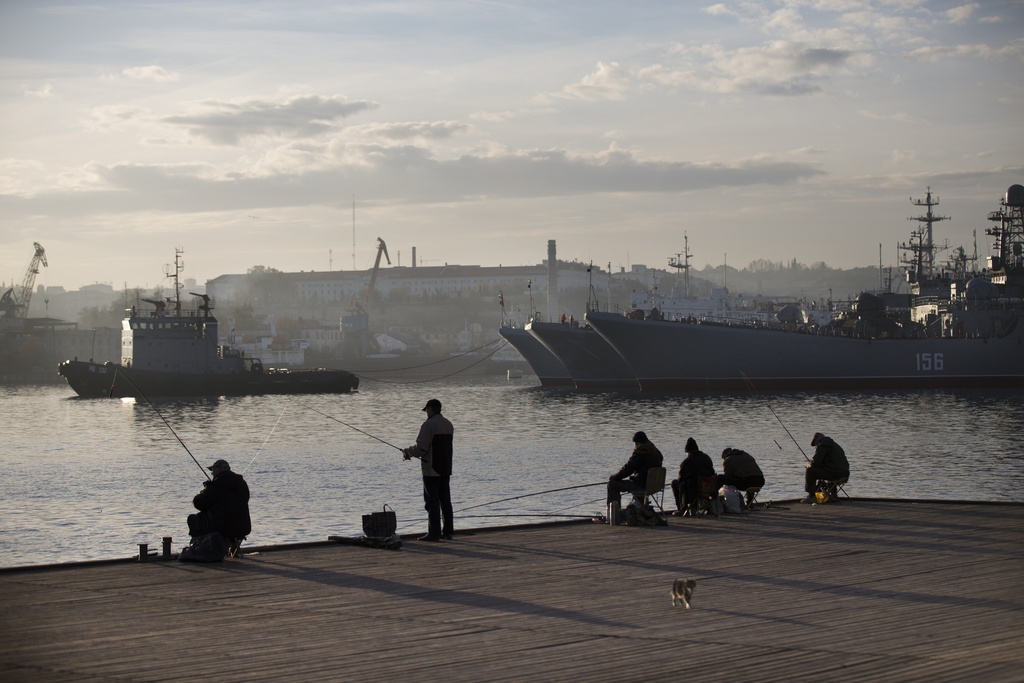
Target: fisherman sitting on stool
829,464
632,477
223,506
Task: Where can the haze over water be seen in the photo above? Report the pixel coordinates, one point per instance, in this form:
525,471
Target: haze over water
90,479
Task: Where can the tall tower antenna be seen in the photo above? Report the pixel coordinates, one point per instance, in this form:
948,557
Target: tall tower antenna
922,247
353,232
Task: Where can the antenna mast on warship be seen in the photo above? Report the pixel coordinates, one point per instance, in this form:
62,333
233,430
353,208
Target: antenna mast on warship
683,265
922,247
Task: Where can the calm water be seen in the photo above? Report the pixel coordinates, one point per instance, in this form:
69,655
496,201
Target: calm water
92,479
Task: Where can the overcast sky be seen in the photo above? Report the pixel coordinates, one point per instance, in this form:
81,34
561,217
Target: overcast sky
477,131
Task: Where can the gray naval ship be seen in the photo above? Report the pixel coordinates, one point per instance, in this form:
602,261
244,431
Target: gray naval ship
958,328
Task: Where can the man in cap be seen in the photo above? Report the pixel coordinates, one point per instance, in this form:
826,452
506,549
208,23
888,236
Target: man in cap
633,475
433,447
696,464
829,463
223,505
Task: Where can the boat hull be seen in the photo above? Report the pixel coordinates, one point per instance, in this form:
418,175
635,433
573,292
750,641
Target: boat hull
108,380
590,360
673,355
549,370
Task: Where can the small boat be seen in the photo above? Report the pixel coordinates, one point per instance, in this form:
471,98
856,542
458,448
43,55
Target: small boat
172,352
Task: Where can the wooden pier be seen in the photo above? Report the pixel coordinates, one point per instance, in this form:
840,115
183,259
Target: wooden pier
867,590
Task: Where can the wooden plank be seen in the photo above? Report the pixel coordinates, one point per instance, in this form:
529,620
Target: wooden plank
872,590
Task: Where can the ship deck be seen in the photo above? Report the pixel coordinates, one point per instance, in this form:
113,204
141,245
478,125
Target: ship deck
866,590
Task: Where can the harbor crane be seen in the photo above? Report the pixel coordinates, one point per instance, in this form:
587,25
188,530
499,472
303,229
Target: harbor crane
17,298
381,249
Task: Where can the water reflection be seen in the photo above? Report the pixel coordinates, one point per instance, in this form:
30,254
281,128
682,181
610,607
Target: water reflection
89,479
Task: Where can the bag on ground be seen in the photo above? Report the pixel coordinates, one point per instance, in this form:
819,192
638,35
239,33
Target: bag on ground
209,548
732,499
643,515
380,524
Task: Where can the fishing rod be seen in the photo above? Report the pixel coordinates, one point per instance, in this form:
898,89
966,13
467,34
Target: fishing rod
527,495
750,388
331,417
159,414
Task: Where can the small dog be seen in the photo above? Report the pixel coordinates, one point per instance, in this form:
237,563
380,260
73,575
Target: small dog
682,591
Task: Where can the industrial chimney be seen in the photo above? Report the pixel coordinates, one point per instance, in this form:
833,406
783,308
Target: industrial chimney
552,282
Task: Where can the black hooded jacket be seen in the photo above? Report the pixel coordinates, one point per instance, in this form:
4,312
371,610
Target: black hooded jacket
225,501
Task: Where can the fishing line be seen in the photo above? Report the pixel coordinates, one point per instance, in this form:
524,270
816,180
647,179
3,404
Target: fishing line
155,410
750,387
443,360
527,495
258,450
331,417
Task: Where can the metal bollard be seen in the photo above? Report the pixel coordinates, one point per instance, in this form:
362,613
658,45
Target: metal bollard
613,513
167,547
143,552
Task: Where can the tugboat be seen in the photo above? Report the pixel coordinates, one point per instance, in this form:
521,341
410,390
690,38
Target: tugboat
171,352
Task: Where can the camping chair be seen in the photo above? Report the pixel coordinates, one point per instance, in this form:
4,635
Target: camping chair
654,493
830,488
235,547
750,498
707,497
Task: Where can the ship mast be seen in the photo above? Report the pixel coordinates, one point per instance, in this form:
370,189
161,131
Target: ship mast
681,262
922,259
1008,264
178,267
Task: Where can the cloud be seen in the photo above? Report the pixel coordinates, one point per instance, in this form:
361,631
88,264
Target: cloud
115,117
229,123
423,130
41,92
608,81
1013,50
719,10
959,15
511,114
394,174
154,73
780,68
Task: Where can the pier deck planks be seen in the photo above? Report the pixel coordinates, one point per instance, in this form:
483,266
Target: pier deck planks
866,590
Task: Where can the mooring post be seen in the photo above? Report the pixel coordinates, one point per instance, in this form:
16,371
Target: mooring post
167,547
143,552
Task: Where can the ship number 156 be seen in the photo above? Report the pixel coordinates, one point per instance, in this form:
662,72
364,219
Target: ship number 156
929,362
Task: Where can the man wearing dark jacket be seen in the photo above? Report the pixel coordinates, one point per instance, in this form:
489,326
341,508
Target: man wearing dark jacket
829,463
696,464
740,470
433,448
223,505
633,475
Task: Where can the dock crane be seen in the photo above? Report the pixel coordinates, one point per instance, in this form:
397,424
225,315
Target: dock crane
356,340
381,249
17,299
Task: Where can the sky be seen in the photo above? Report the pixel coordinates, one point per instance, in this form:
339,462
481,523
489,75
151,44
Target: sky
292,135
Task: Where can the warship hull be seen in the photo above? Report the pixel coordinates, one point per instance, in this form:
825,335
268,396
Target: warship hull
589,359
549,370
109,380
684,356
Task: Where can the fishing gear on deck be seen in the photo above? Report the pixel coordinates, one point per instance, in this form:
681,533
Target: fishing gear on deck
160,415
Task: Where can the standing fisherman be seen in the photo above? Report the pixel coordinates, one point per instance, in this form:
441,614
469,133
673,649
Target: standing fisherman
434,449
